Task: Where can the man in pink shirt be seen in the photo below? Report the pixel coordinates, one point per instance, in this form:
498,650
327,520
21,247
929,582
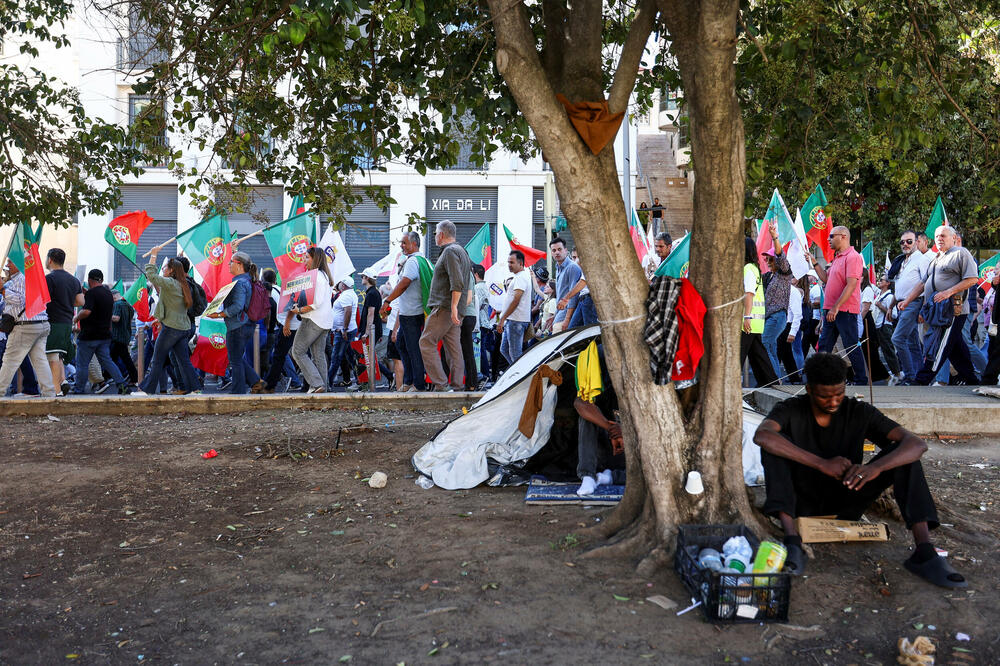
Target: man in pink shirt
842,302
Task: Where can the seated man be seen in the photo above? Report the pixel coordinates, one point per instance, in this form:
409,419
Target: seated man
599,437
812,455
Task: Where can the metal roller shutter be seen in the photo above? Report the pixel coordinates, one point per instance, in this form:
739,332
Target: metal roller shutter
468,207
266,209
160,203
366,234
538,221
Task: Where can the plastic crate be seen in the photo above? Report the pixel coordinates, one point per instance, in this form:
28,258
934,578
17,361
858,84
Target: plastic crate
725,597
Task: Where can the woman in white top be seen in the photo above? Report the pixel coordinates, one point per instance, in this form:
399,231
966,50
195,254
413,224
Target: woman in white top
317,320
882,309
869,345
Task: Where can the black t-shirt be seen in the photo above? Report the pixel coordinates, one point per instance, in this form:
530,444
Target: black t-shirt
373,299
101,304
63,289
854,422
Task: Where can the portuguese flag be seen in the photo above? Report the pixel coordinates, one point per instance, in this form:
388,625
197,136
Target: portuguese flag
479,247
24,254
987,271
298,206
868,257
678,261
938,218
289,243
210,354
426,270
531,255
817,223
638,237
119,287
208,246
138,297
124,231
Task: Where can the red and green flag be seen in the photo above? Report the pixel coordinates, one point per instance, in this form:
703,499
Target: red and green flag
208,245
868,258
124,231
138,297
479,247
987,271
289,242
817,222
210,354
24,253
678,261
938,218
119,287
638,235
298,206
531,255
426,270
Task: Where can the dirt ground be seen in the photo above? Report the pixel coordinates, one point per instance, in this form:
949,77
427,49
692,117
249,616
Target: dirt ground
121,545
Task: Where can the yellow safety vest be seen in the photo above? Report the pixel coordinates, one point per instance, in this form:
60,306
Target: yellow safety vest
757,310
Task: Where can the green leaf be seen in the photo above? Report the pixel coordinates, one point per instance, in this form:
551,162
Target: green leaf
618,597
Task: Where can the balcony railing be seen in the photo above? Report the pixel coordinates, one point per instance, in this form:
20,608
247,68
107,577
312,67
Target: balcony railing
154,152
137,54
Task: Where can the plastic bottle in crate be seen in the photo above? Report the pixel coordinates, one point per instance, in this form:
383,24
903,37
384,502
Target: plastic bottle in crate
710,558
737,553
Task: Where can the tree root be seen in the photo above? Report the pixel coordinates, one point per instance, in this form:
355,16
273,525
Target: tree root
657,559
635,541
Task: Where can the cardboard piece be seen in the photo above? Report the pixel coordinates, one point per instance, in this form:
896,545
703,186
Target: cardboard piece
826,530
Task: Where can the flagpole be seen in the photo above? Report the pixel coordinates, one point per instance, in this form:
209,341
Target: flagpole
237,241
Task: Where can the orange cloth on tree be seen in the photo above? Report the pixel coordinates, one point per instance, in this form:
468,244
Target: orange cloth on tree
592,121
533,404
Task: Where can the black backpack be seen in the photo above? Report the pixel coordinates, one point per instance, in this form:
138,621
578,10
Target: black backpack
199,301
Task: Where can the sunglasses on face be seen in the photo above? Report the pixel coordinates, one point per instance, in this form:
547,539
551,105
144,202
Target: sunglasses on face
906,242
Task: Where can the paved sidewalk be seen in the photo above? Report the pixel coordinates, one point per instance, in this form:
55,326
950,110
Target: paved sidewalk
927,410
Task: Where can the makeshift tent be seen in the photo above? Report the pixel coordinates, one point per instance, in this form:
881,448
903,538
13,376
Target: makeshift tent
486,445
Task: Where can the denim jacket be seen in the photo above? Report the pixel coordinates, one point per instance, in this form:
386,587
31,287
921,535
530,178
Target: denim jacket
236,303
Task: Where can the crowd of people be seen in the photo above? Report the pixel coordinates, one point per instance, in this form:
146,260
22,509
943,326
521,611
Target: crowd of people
928,320
925,321
439,336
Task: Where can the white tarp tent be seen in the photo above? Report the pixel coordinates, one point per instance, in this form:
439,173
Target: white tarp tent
457,456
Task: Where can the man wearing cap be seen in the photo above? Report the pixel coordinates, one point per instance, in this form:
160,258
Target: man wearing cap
842,300
370,310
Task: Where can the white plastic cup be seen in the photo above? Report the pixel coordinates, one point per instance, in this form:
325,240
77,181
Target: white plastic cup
694,485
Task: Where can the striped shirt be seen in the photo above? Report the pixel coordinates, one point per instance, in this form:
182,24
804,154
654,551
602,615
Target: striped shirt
14,300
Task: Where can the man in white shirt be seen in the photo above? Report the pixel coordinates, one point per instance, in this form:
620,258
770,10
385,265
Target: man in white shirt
410,310
516,316
906,338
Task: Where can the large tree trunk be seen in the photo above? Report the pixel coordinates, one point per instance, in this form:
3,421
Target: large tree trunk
664,440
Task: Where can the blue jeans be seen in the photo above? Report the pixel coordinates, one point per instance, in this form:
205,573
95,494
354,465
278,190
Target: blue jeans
845,324
906,340
408,346
797,351
975,353
585,313
341,345
242,372
774,326
85,350
170,341
513,340
486,344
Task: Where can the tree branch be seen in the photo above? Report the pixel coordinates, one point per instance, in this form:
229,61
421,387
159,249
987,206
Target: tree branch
554,16
632,50
937,78
582,59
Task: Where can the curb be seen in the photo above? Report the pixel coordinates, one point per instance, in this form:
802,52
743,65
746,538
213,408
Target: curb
231,404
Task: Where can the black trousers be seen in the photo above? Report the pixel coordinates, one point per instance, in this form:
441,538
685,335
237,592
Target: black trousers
120,355
751,347
787,358
282,346
992,371
469,325
949,344
594,453
798,490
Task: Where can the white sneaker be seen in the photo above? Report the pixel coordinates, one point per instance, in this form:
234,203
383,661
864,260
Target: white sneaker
938,384
894,380
139,394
